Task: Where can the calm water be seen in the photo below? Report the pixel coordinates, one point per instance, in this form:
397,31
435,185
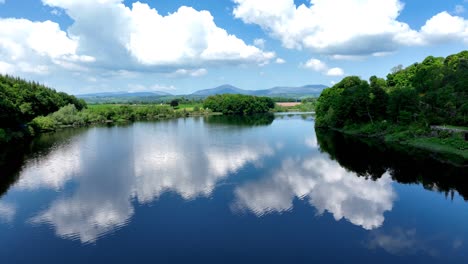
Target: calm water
222,190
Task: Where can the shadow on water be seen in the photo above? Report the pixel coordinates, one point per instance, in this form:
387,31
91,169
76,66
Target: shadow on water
371,159
13,157
237,120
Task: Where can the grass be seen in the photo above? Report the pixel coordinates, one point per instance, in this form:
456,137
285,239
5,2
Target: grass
188,107
413,135
303,107
457,127
446,145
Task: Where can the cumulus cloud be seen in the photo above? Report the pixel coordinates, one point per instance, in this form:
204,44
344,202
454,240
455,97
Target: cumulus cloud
319,66
335,72
140,35
280,61
35,47
339,27
444,27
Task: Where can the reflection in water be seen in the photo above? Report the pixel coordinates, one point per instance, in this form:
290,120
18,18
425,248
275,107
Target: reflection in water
326,186
7,212
372,159
189,164
100,175
144,164
53,170
400,242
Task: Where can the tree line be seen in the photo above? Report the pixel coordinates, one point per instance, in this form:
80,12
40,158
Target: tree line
238,104
433,92
21,101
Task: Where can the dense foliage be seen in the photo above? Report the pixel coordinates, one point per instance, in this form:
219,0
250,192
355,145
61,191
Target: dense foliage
69,115
238,104
21,101
433,92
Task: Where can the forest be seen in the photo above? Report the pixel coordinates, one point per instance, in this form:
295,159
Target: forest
403,106
21,101
237,104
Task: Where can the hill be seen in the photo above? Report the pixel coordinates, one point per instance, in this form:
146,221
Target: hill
311,90
223,89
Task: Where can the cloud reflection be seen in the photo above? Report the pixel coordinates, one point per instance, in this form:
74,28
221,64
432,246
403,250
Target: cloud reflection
327,187
7,212
146,163
52,170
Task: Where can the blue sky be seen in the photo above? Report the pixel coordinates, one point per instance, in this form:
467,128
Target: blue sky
179,46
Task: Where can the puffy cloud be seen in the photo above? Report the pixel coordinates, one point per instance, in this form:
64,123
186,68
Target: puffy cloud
335,72
339,27
27,47
280,61
327,187
140,37
319,66
444,27
316,65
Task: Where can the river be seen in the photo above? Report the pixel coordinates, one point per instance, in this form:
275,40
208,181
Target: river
227,190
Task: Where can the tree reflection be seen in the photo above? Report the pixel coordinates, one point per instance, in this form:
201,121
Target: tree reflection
371,159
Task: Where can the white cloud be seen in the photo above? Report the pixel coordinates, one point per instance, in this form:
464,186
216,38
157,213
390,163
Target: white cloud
56,12
363,28
139,35
35,47
319,66
259,43
280,61
316,65
189,72
2,1
443,27
335,72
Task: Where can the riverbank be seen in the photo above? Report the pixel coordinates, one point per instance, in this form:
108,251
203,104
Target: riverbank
447,146
69,116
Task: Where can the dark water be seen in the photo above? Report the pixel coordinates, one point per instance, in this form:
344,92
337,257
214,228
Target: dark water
227,190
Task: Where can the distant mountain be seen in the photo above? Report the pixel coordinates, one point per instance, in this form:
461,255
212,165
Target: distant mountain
223,89
124,94
315,89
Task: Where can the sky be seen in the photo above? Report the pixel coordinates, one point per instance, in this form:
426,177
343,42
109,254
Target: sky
180,46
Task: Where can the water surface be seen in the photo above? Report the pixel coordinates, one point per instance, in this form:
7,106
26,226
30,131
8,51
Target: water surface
227,190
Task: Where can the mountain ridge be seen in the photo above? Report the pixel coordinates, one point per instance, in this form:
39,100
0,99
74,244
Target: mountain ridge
278,91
